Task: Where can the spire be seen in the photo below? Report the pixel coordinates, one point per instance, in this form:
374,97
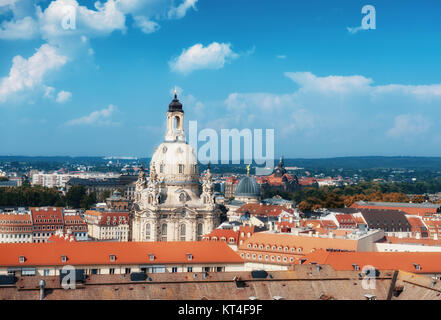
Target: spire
248,170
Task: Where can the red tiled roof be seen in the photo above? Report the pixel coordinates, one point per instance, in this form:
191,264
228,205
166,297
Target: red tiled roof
430,262
98,253
39,214
306,243
345,219
263,210
421,211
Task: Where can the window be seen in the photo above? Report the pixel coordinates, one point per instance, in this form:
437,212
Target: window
127,271
182,231
219,269
112,271
181,168
147,231
151,257
189,256
63,258
200,231
161,168
164,232
174,269
22,259
112,257
189,269
46,272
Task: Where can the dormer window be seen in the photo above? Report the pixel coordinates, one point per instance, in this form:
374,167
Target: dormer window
63,258
151,257
22,259
112,257
189,256
417,266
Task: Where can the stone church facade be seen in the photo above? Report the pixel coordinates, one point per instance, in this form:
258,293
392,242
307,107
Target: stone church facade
173,204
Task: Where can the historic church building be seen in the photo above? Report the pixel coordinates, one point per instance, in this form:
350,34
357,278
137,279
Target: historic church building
173,205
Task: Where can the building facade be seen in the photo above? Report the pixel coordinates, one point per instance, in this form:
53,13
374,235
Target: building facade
173,205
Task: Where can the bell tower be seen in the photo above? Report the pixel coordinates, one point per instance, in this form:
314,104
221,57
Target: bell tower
175,121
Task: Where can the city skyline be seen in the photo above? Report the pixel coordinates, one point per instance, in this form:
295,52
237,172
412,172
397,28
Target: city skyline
327,88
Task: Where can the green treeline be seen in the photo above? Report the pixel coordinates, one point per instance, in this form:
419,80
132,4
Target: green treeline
338,197
37,196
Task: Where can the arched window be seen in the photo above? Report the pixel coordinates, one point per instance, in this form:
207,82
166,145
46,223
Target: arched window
161,168
177,122
147,231
182,197
200,231
182,232
164,232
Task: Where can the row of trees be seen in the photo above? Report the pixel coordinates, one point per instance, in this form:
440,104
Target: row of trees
338,197
37,196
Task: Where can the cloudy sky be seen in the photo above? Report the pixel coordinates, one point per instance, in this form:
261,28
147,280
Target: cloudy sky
100,83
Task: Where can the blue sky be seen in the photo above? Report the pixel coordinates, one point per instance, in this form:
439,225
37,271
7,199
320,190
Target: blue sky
103,88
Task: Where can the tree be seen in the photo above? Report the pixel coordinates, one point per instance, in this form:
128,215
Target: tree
418,198
74,196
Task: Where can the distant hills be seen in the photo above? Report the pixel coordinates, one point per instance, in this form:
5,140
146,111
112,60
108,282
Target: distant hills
366,162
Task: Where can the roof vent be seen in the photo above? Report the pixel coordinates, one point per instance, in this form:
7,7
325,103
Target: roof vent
189,256
151,257
22,259
356,267
417,266
112,257
63,258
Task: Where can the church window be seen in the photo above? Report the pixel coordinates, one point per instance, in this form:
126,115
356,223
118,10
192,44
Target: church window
200,231
181,168
182,197
182,232
161,168
147,231
164,232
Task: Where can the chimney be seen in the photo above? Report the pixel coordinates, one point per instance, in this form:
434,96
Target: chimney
42,285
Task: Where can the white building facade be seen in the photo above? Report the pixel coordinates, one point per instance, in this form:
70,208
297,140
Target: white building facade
173,205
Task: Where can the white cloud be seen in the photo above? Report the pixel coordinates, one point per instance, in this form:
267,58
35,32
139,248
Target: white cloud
181,10
29,73
63,96
354,30
29,20
48,91
330,84
281,56
99,117
198,57
102,21
147,26
26,28
409,125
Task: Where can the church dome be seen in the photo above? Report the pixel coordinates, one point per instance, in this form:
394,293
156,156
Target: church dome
247,187
175,161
